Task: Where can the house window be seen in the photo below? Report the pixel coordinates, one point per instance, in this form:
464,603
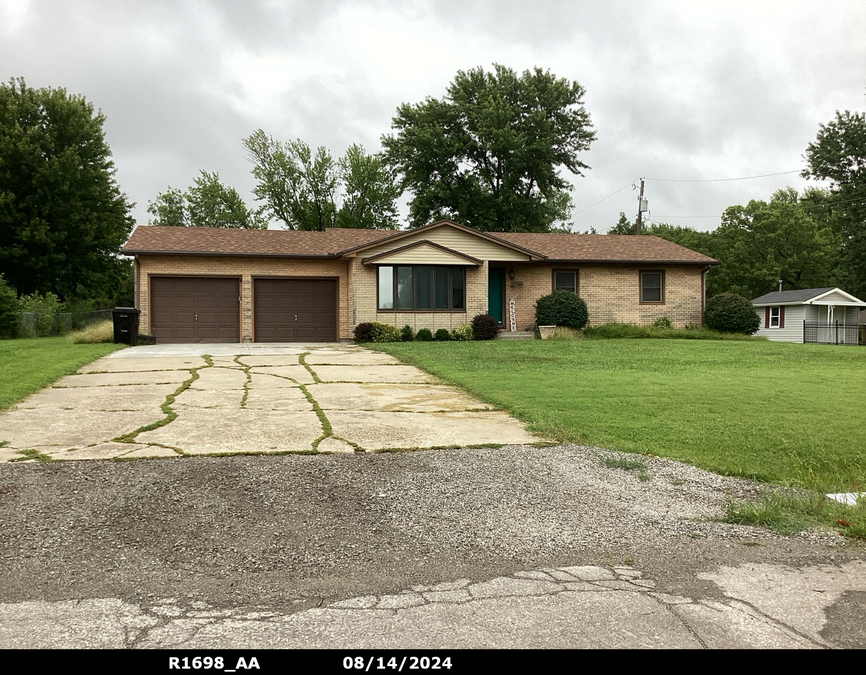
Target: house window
419,288
652,287
774,317
565,280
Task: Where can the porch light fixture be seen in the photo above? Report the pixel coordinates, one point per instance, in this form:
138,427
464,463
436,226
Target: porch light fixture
511,274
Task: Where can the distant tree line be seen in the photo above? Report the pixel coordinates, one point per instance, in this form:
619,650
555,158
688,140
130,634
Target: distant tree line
808,240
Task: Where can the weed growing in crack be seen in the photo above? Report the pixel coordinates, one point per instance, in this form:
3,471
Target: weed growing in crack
29,453
170,414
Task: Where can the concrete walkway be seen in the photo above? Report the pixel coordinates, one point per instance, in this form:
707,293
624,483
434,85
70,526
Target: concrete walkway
172,400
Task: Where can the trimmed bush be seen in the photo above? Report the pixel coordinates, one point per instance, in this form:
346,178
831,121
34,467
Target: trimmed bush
424,335
462,333
385,332
8,310
407,334
364,332
561,308
442,335
484,327
731,313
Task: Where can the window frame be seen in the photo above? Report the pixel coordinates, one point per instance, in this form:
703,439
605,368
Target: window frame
570,270
414,275
642,288
778,317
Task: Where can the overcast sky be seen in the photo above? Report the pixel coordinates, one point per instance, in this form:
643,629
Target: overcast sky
676,90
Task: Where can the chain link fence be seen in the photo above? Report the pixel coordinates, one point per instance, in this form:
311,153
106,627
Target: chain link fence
39,324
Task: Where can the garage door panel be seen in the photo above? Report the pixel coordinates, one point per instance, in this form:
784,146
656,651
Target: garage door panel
290,310
195,309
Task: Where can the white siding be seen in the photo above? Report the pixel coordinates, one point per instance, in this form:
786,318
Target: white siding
834,298
793,330
423,255
457,240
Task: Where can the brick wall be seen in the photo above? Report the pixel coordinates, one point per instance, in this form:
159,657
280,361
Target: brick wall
612,293
245,269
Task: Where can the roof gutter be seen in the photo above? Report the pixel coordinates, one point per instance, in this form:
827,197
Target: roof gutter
131,252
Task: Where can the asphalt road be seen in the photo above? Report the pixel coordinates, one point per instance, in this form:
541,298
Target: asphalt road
398,549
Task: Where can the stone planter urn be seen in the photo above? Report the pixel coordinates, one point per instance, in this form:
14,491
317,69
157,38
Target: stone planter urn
546,332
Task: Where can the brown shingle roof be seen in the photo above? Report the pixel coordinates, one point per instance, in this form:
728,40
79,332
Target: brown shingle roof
333,241
219,241
605,247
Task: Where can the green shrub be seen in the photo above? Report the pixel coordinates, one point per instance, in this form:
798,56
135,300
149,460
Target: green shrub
561,308
442,335
39,312
407,334
662,322
424,335
8,310
462,333
385,332
364,332
731,313
484,327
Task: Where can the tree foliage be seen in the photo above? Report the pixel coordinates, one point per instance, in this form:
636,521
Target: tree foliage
207,203
489,153
762,243
63,218
839,156
302,189
370,191
296,187
623,226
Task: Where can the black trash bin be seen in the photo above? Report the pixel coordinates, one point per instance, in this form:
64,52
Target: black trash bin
126,325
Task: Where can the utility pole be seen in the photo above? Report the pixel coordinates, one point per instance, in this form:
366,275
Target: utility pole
641,207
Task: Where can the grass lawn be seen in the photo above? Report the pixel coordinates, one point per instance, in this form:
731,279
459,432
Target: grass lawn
30,365
783,413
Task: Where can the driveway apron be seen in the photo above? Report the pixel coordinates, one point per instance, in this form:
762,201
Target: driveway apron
174,400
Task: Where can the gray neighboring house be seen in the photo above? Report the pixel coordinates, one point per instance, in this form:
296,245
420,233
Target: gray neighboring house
809,315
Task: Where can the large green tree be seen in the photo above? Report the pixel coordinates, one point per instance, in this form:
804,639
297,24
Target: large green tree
207,203
764,242
296,186
370,191
490,153
63,218
302,189
839,156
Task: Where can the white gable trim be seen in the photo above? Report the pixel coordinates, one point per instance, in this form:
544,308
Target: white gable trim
850,302
422,253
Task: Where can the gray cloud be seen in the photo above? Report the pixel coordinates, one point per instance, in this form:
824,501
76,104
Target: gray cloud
675,90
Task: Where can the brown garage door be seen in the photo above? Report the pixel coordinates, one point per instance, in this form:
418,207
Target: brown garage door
295,310
194,309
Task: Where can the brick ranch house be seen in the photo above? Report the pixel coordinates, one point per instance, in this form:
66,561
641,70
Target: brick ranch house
222,285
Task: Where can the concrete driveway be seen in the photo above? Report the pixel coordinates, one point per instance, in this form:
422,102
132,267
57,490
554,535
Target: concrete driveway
173,400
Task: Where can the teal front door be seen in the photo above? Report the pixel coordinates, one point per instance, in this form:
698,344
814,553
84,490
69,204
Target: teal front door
496,293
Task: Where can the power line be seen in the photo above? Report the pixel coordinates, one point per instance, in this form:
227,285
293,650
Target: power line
717,180
804,206
606,198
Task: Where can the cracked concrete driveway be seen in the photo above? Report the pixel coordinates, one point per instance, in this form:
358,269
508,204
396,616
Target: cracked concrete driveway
172,400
